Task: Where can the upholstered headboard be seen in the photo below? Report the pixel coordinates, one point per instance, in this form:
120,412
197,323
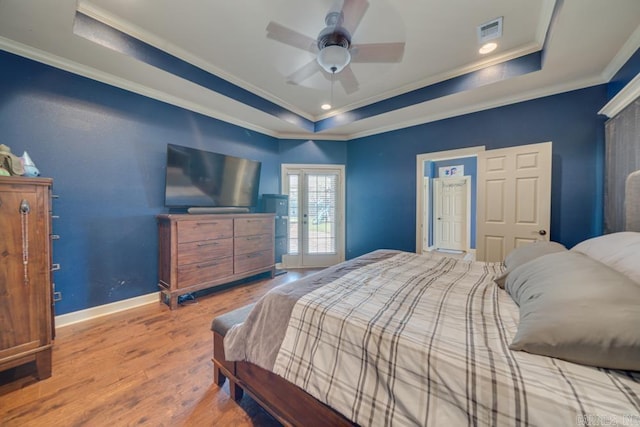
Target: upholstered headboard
622,170
632,202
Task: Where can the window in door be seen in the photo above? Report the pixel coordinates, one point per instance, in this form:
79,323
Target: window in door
316,209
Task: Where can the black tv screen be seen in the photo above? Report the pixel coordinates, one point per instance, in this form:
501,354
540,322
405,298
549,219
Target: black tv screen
198,178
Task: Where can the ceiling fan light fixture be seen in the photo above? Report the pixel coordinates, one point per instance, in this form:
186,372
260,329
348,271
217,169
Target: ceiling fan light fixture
334,58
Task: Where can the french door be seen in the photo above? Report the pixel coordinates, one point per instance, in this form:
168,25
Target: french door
316,215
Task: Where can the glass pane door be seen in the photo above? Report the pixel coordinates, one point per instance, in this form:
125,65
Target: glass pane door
316,233
321,211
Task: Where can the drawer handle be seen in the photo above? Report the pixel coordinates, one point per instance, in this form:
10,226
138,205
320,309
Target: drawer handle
206,223
253,255
209,244
254,238
208,264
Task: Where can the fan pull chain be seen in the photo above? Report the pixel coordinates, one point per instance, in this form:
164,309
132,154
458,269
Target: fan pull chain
333,74
24,220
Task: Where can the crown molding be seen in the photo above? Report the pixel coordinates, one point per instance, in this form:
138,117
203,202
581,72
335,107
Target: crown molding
476,66
94,74
626,51
544,23
313,136
626,96
138,33
528,96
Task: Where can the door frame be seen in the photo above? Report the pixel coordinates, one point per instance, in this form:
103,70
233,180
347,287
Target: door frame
467,221
422,217
340,208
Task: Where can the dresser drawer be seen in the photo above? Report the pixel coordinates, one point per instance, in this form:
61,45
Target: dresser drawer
253,261
193,231
192,252
251,226
248,244
205,271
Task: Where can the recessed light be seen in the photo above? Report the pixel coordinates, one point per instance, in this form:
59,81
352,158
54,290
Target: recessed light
487,48
326,106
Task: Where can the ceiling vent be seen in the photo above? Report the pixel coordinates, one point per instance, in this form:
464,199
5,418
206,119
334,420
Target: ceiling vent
490,30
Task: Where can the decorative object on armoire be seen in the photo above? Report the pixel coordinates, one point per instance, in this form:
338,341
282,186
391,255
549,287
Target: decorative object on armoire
26,330
30,168
9,161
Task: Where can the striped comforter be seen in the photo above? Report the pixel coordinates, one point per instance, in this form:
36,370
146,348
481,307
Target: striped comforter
423,340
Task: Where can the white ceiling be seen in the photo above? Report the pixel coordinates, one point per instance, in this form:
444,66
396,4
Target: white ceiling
585,42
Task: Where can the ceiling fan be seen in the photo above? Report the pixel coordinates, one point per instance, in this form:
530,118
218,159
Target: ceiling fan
333,48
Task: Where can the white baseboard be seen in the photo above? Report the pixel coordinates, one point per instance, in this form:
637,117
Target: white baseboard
104,310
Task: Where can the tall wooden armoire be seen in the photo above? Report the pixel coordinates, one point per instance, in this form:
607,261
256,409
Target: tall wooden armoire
26,313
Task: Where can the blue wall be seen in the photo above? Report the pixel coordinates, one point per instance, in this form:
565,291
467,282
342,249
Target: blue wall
624,75
381,188
105,149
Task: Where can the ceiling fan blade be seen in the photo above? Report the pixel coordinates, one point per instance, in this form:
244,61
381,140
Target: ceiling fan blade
377,52
304,73
348,80
291,37
353,11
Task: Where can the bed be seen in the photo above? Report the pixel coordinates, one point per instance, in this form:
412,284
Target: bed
549,337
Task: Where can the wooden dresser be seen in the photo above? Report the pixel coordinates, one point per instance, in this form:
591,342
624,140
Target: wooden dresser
26,313
202,251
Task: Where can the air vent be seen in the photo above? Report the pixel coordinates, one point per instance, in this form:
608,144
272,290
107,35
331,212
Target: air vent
490,30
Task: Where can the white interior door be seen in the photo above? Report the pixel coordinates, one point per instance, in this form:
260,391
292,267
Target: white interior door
514,199
450,213
316,212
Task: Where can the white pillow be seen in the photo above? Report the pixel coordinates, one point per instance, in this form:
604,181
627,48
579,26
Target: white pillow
620,251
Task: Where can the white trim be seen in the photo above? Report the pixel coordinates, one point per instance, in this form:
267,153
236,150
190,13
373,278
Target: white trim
432,80
105,310
138,33
106,78
626,96
420,159
424,221
474,108
544,23
294,261
623,55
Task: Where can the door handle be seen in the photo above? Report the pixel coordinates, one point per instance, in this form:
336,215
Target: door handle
542,232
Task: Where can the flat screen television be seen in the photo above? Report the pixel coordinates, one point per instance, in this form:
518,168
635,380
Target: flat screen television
199,178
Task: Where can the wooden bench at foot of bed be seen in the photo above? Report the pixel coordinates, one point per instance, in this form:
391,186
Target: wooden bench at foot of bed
288,403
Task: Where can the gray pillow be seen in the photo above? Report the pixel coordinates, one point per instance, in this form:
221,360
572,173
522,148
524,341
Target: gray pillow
526,253
575,308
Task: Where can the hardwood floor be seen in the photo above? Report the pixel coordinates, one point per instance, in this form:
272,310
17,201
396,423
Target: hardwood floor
144,366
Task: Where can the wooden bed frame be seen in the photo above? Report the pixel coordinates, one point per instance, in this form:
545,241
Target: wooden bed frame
288,403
